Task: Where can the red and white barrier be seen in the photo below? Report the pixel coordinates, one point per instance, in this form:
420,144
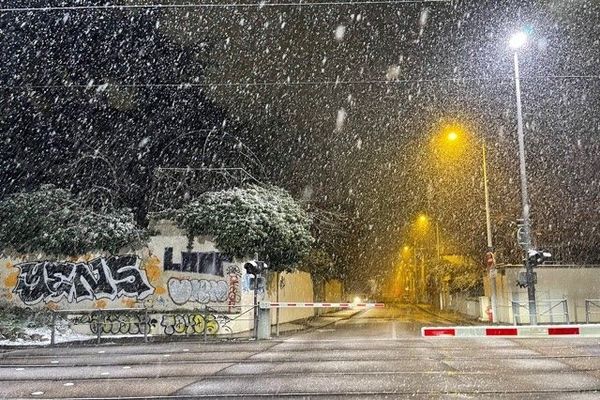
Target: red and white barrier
266,304
591,330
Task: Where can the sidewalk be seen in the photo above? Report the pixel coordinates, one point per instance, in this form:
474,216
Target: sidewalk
449,315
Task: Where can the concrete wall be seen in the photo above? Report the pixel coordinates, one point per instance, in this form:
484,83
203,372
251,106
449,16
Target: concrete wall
464,304
334,291
574,283
154,278
293,287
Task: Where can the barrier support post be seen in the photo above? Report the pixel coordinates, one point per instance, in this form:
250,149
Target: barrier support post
263,330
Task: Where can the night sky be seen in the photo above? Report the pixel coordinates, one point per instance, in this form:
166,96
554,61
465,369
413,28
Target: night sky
338,103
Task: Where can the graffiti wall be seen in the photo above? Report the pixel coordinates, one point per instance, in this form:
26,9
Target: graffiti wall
168,278
110,278
167,288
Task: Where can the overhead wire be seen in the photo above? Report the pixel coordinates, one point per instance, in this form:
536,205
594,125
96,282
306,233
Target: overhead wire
186,85
258,5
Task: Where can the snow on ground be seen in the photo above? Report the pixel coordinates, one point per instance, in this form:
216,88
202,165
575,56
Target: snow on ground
41,337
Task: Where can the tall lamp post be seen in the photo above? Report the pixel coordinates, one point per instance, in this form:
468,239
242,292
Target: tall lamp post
452,136
517,41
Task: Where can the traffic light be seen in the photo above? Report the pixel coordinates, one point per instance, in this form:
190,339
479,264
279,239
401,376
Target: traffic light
257,282
537,257
522,279
255,269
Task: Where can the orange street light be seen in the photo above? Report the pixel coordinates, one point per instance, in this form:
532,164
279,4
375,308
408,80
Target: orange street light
453,148
452,136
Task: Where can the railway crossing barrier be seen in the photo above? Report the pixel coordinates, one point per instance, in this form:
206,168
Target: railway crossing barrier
267,304
537,331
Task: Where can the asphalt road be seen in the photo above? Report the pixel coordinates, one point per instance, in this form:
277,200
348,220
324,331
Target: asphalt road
373,354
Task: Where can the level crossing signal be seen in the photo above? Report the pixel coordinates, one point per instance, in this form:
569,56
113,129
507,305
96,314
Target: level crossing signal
255,268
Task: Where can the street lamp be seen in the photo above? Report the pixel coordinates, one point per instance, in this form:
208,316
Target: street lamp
422,226
452,136
517,41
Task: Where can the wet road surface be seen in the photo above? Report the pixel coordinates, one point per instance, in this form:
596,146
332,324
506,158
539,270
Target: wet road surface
371,354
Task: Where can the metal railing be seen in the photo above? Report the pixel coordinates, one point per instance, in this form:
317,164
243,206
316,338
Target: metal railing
546,309
136,322
590,305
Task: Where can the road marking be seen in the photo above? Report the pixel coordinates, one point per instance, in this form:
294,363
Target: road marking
127,367
101,351
68,384
105,373
394,336
166,355
37,393
186,350
54,362
19,369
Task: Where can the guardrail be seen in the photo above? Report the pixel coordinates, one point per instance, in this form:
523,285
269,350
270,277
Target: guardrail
551,305
591,304
207,320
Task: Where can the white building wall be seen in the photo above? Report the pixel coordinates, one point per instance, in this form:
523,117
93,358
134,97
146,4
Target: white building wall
573,283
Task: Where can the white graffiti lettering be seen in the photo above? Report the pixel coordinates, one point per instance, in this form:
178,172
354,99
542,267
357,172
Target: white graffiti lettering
197,290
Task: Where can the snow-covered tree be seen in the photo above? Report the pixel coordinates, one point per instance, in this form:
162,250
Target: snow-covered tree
465,276
53,222
254,219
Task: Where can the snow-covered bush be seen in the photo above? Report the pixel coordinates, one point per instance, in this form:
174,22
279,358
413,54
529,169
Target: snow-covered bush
249,220
52,222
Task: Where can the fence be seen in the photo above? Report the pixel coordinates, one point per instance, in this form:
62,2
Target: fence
548,310
592,307
137,322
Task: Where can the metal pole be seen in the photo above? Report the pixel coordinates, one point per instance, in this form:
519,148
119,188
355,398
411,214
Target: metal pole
256,307
587,312
146,325
99,325
488,228
525,200
566,311
53,333
437,240
205,316
278,276
414,275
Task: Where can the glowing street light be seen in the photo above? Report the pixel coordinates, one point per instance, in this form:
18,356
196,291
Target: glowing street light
452,138
517,40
